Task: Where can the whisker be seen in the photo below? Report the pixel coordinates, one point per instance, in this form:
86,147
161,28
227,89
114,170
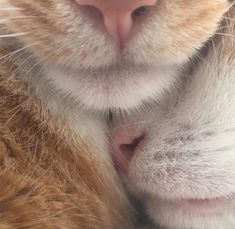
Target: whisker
44,60
3,21
201,58
230,6
18,50
9,8
226,34
25,61
18,17
228,18
12,35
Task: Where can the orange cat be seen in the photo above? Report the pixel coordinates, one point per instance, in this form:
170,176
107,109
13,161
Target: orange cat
49,177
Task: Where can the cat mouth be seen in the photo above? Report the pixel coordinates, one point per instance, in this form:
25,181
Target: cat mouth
201,207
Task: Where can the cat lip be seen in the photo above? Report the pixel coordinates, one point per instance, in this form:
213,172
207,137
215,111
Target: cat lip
207,206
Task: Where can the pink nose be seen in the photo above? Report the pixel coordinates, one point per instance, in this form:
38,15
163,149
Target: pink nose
117,16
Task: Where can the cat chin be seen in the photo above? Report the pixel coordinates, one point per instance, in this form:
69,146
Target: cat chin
195,214
122,87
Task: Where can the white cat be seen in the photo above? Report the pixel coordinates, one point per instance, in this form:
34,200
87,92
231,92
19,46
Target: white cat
178,155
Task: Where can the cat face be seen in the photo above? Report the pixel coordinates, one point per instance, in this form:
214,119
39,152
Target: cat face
83,61
182,168
178,155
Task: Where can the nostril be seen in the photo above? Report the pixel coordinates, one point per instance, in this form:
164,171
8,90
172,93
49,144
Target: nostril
124,147
128,150
118,16
95,14
138,12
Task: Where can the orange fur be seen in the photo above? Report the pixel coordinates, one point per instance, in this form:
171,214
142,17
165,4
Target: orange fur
181,25
49,177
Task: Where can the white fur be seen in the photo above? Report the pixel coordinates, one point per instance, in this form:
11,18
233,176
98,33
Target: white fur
120,87
189,149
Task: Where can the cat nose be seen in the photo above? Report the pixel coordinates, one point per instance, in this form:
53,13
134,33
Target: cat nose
124,144
118,16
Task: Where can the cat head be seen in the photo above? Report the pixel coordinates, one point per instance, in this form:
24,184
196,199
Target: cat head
71,38
178,154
